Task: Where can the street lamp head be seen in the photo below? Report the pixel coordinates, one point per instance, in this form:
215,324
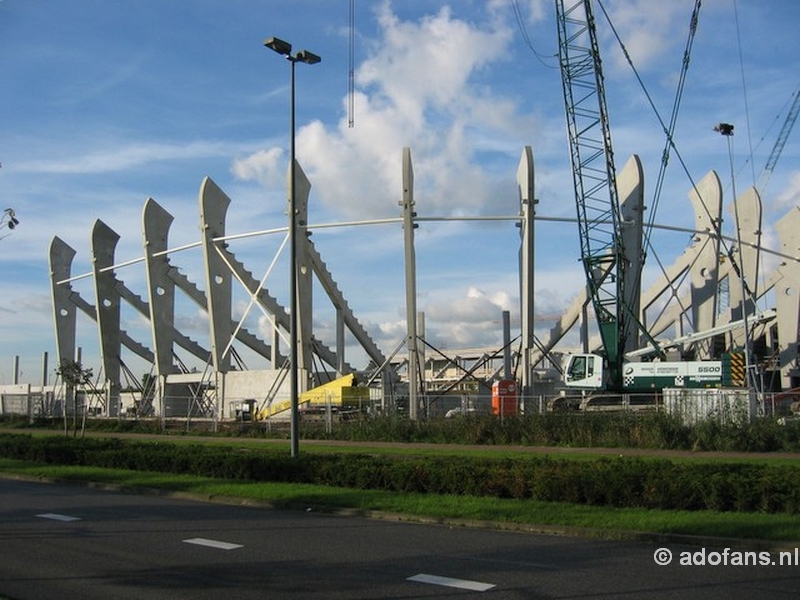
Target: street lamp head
307,57
279,46
724,128
12,218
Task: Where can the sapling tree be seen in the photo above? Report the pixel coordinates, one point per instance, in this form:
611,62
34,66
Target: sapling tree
74,377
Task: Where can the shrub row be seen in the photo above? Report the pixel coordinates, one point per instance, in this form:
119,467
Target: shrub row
620,430
620,481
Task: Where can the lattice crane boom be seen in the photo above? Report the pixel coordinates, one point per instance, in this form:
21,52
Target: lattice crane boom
594,176
786,129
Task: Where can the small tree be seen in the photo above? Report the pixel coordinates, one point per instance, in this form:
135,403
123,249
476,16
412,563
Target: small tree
74,375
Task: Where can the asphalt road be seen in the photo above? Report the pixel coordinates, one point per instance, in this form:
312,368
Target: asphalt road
68,541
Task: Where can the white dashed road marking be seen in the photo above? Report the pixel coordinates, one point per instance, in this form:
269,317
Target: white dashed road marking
462,584
213,544
56,517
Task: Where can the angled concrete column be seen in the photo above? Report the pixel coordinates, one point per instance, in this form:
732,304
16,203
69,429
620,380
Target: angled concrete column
630,188
407,203
787,297
706,198
527,209
213,209
156,222
104,244
274,355
700,264
422,361
305,302
743,268
747,221
64,311
340,343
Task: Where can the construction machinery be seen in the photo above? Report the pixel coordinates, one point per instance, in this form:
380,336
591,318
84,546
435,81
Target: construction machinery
612,275
586,371
338,395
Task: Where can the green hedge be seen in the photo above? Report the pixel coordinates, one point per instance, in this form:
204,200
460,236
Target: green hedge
621,481
591,430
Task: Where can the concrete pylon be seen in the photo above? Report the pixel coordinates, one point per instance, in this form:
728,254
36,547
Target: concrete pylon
108,308
156,222
787,297
744,263
527,209
64,310
630,190
305,302
407,203
706,198
743,289
213,209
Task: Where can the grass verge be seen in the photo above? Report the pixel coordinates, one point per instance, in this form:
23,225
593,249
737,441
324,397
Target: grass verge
524,514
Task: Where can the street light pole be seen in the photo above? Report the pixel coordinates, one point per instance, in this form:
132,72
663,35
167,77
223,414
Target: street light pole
304,56
726,130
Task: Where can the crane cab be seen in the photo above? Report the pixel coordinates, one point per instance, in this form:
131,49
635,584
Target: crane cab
584,371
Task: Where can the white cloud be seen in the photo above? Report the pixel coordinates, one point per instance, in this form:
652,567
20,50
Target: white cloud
770,260
534,10
265,166
427,64
474,307
122,157
648,29
417,88
789,196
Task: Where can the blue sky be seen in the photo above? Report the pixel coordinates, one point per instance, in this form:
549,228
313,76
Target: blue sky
104,104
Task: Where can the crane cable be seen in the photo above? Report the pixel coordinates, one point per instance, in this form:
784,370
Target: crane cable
752,293
668,130
744,88
670,143
351,72
524,32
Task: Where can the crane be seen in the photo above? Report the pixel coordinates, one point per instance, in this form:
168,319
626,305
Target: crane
608,272
788,123
594,179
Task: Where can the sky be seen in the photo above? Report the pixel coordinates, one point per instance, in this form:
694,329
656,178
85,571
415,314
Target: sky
105,104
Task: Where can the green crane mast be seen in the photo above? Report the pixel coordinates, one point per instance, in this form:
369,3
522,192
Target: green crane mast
594,179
